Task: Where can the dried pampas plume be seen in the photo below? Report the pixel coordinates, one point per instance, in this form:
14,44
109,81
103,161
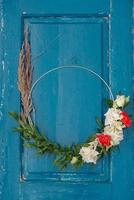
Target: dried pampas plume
25,76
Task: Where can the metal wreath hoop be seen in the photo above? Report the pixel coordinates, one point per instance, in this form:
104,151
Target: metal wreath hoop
70,67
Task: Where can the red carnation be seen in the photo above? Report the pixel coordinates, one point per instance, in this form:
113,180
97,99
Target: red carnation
126,119
104,139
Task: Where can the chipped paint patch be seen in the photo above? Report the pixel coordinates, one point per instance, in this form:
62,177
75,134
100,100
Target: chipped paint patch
2,59
1,16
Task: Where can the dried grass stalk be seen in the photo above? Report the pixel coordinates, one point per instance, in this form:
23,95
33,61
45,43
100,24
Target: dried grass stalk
25,76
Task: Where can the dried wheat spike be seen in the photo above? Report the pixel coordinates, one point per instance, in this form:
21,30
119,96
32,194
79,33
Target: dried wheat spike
25,75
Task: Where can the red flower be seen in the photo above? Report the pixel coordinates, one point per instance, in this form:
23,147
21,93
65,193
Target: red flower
104,139
126,119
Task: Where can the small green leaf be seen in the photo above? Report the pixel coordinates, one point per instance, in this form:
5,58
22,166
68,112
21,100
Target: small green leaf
18,129
28,145
100,123
109,102
15,115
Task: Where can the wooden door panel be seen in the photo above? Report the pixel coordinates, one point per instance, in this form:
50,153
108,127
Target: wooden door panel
66,100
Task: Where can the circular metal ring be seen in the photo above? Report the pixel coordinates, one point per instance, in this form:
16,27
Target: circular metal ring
70,67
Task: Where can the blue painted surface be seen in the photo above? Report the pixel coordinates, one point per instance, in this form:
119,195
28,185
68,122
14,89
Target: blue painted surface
88,33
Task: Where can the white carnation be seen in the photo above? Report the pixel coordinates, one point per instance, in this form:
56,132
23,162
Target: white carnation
116,134
118,125
120,101
89,154
112,115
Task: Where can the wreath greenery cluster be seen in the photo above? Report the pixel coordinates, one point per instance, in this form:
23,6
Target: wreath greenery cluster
108,136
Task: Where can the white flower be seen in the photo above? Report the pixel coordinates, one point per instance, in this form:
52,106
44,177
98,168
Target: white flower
118,125
112,115
89,154
74,160
116,134
120,101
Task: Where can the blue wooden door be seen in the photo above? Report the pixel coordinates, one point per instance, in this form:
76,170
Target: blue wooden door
90,33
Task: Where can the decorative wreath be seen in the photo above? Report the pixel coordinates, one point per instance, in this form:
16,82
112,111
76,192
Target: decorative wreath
108,136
